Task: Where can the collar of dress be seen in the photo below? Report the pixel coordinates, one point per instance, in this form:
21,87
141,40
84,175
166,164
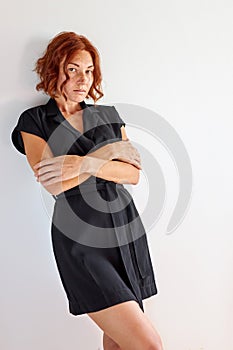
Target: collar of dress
52,108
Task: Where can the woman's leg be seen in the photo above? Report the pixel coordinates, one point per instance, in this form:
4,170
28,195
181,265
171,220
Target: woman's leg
128,326
109,344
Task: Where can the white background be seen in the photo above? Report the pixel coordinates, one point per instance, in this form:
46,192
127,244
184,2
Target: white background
175,58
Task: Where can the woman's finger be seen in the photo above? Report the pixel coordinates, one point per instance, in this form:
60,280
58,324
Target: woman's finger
51,181
48,168
131,161
137,164
43,163
49,161
48,175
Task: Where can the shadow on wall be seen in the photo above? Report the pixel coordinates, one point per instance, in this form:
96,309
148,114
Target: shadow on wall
33,50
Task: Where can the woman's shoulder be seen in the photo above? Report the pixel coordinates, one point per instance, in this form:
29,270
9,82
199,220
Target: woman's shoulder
30,121
99,107
36,110
107,112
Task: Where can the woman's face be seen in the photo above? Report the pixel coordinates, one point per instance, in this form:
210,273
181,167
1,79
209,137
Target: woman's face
80,72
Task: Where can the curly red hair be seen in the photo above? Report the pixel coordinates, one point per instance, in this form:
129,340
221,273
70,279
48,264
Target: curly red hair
62,47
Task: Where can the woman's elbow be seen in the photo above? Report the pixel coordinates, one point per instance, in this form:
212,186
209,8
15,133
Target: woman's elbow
136,176
53,189
133,177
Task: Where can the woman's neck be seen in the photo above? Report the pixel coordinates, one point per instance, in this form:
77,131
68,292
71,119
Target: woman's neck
68,107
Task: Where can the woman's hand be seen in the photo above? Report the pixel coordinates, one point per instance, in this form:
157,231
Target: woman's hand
58,169
120,150
126,152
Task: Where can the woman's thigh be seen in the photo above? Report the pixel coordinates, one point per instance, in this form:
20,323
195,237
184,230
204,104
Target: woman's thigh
128,326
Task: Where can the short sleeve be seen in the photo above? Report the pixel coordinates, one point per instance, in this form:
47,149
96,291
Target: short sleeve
28,122
119,119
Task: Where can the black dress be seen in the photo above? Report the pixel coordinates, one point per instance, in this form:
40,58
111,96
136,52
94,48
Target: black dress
99,242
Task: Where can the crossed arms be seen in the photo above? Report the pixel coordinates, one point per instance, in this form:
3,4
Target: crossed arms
58,174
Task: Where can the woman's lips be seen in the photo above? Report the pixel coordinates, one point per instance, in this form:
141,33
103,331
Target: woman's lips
79,90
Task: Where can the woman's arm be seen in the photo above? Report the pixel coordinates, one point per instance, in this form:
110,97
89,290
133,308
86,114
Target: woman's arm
36,150
118,172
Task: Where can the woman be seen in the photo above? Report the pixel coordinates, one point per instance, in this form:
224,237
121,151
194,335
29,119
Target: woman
80,153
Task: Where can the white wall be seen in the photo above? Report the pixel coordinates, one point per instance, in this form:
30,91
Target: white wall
175,58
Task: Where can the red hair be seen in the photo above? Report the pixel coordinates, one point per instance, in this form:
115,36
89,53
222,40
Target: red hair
62,47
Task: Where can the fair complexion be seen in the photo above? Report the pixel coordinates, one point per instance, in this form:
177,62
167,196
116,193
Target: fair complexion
127,171
49,170
58,173
80,70
37,151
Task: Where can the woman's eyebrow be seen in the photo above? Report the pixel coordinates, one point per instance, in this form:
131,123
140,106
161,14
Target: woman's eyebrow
75,64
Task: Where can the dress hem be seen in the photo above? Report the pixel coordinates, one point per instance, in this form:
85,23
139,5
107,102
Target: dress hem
117,298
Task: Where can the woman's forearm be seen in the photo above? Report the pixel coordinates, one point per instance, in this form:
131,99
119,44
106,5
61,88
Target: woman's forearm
119,172
113,170
59,187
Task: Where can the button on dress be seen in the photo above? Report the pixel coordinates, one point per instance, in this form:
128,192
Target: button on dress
98,239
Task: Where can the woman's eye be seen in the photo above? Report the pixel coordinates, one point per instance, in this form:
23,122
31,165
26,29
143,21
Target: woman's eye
71,69
89,71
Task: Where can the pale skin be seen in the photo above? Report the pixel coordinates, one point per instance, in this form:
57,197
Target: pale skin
124,325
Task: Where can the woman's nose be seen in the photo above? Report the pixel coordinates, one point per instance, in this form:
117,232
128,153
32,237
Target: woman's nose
81,77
